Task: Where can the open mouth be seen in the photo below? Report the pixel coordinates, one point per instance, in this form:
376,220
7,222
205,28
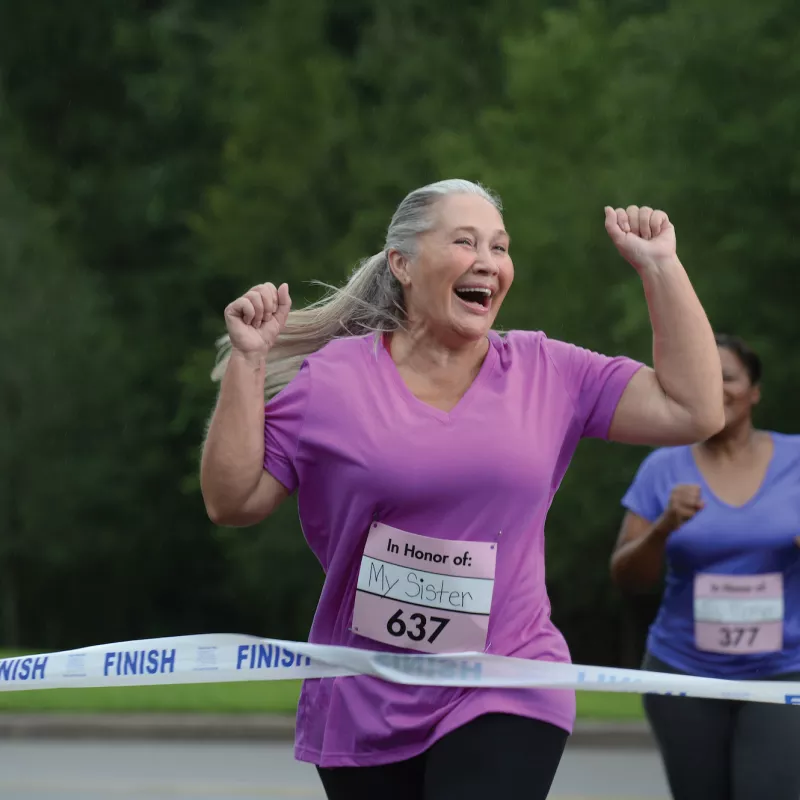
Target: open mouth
476,297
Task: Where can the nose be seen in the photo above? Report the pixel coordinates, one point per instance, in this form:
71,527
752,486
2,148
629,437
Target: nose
727,394
485,262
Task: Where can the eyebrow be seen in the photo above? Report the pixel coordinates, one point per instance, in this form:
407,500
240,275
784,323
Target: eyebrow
498,232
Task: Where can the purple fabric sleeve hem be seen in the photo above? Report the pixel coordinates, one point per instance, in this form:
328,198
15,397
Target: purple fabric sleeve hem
623,376
634,510
281,472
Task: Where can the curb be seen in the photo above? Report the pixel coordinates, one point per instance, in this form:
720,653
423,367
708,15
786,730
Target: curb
148,726
628,735
243,728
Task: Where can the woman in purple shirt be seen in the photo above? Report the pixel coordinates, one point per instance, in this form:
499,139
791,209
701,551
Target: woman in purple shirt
425,450
724,516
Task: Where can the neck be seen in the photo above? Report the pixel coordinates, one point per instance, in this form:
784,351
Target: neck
424,352
731,442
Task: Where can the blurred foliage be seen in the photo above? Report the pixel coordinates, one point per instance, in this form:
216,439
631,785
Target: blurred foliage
160,157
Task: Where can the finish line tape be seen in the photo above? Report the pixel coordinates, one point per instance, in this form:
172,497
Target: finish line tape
227,658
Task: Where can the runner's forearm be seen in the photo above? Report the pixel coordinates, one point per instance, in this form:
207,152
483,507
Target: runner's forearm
636,565
233,452
685,354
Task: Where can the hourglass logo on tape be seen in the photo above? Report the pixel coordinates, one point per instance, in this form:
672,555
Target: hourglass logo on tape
206,659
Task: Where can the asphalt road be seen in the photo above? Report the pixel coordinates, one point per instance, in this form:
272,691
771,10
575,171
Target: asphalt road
57,770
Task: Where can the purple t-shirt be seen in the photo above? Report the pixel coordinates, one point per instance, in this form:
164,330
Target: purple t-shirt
731,602
360,448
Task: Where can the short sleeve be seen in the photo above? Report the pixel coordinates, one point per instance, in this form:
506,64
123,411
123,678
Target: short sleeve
595,382
283,421
643,497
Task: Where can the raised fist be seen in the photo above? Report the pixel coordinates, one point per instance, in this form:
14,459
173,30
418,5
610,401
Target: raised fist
643,237
684,502
255,319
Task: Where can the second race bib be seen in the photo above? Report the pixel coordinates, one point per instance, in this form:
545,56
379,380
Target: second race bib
738,613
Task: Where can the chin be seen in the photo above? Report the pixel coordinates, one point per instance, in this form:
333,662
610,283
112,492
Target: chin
720,435
472,332
731,423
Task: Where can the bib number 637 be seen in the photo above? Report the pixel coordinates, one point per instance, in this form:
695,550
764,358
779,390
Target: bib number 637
417,627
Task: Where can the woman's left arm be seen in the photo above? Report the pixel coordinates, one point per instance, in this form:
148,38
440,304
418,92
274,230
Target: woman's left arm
680,401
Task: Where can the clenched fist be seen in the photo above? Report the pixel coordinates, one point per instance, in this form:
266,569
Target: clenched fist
684,502
255,319
644,237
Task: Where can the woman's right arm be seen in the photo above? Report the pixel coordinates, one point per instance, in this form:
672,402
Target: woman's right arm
237,490
638,558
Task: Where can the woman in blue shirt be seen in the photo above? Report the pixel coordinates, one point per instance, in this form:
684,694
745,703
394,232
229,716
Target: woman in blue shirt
723,516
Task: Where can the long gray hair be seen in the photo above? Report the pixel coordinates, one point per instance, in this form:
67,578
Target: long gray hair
370,302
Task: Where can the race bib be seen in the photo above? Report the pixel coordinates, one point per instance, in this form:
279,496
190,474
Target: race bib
425,594
738,613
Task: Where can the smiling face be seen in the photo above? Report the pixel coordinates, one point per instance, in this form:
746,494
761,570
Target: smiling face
455,284
739,394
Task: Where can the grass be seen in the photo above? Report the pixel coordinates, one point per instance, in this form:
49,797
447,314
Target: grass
251,697
610,706
256,697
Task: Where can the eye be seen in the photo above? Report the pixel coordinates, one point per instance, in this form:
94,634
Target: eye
501,248
464,241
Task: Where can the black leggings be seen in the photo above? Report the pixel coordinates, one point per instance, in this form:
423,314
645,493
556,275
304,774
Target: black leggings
726,749
495,755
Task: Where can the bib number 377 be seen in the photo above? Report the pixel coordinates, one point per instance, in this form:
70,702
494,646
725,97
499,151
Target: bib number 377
738,613
419,593
735,636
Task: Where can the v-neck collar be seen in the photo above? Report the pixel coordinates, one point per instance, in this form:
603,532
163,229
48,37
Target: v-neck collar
390,369
766,480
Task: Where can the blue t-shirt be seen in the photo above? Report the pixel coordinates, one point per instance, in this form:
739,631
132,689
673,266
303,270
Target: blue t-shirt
731,603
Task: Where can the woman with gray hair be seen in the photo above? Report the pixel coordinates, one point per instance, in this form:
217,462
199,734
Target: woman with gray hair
425,449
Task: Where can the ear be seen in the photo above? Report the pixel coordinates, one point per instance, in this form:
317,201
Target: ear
398,264
755,394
